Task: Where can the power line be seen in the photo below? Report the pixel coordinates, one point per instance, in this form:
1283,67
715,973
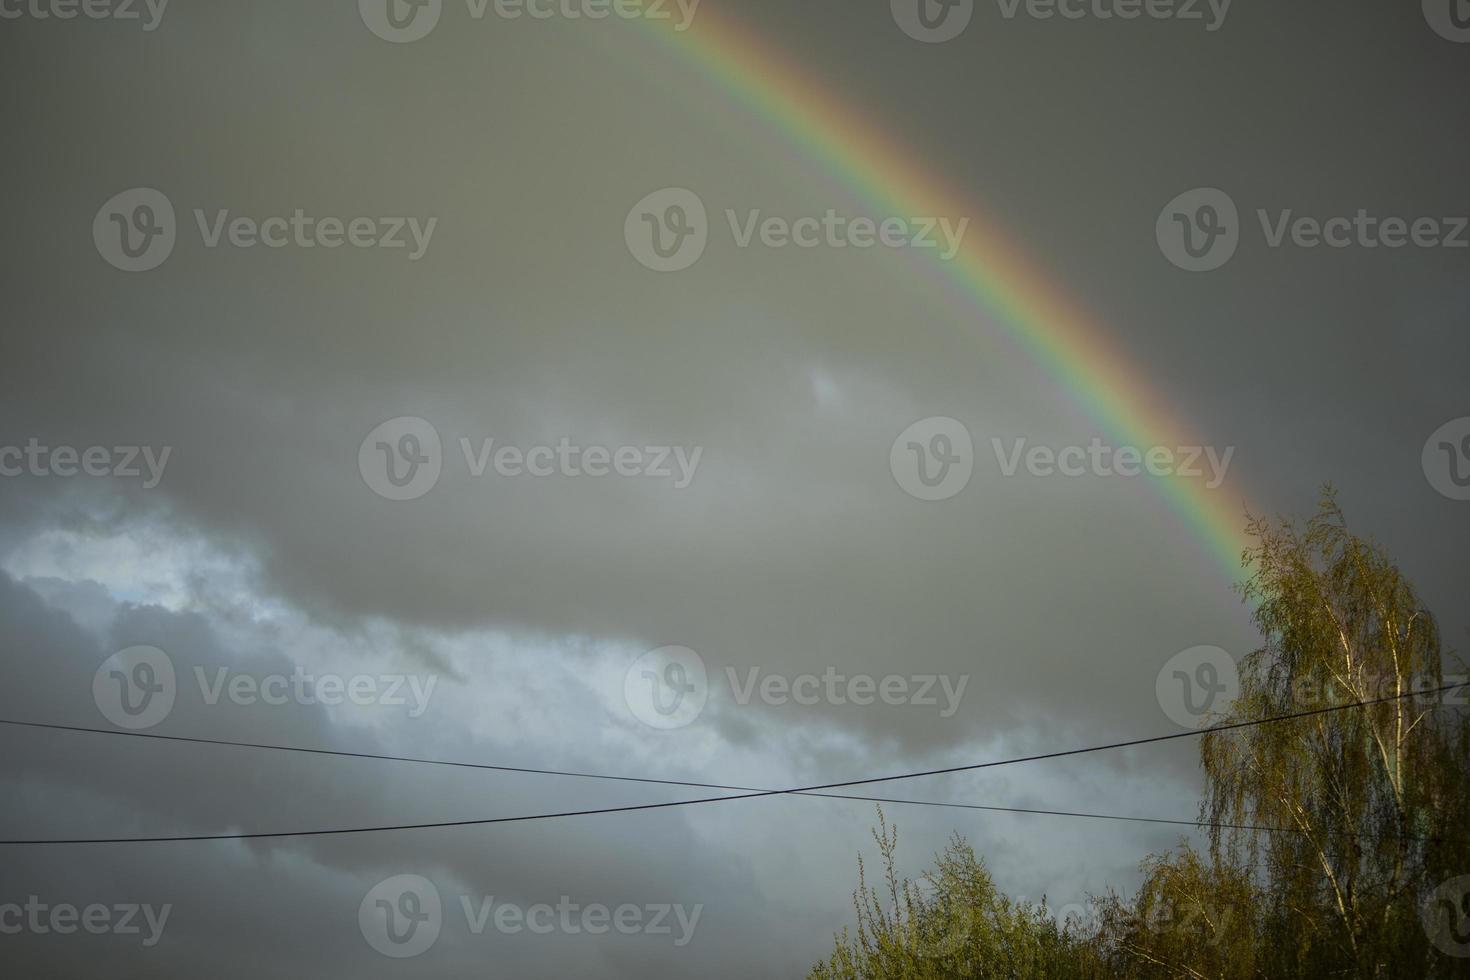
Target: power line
714,799
391,827
746,792
1131,743
1199,824
342,753
383,757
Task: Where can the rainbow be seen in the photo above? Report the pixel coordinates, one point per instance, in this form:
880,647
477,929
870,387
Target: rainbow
989,271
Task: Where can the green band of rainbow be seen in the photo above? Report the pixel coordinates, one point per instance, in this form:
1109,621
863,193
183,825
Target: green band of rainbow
1069,347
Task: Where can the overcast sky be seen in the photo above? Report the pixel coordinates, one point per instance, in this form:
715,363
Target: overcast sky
759,513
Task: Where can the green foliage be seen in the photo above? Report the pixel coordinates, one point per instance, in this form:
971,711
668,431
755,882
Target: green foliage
1191,918
954,923
1371,806
1353,788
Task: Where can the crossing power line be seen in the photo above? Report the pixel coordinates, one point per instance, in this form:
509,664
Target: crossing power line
738,792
